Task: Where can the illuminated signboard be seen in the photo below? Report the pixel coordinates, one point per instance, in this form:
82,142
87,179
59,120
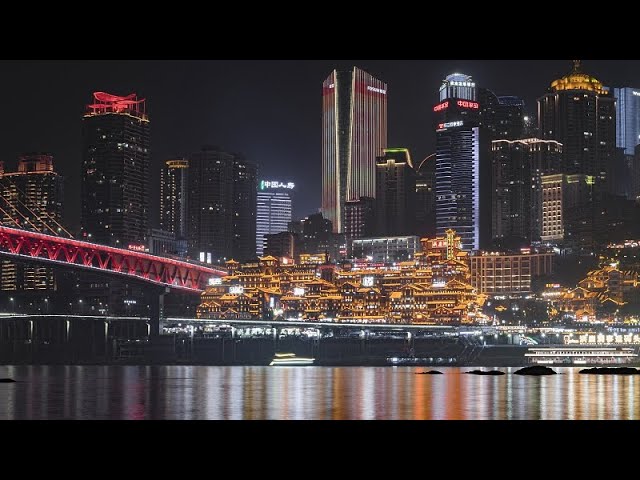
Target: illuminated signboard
468,104
367,281
439,244
215,281
332,85
462,84
377,90
275,184
298,292
441,106
442,126
236,290
637,94
137,247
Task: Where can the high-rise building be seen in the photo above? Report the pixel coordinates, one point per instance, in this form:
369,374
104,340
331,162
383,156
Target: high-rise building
280,244
511,190
395,193
567,214
503,116
552,194
581,114
274,209
222,206
635,174
115,170
425,223
463,175
315,235
546,159
627,138
627,118
245,184
517,168
354,132
31,199
174,197
359,219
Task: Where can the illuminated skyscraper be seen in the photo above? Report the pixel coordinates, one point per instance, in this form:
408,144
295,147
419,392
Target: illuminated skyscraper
463,175
115,170
31,199
581,114
115,195
354,132
274,210
174,195
627,118
627,138
395,193
517,170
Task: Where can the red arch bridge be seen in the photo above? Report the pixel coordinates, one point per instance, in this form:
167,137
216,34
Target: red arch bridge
161,275
36,247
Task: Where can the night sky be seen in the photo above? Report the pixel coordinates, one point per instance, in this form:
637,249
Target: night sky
269,110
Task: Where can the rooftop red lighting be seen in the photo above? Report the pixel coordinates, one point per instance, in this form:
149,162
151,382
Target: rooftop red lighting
108,103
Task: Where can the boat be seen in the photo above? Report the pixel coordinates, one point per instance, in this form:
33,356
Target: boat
412,360
290,360
567,356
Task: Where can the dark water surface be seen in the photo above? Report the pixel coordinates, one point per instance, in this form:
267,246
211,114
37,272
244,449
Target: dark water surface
324,393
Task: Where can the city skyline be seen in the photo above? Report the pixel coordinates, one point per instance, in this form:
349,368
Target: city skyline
221,110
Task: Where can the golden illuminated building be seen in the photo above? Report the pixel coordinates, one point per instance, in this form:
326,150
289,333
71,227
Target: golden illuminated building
31,199
606,288
432,288
577,80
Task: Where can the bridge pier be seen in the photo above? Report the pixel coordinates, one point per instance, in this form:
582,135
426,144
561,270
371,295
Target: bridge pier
156,310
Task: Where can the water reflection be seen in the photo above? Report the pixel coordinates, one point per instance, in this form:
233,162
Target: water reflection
185,392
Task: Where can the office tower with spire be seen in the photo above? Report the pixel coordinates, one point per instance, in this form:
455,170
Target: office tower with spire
580,113
463,174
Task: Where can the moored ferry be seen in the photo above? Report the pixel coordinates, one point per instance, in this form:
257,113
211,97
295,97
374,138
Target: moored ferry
581,355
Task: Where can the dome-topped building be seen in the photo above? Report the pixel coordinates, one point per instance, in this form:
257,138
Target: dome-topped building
580,113
577,80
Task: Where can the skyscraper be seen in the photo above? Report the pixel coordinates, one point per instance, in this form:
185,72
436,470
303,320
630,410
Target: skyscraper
425,197
174,197
503,116
245,185
395,193
274,210
627,138
517,168
359,220
627,118
463,176
354,132
222,206
115,170
31,199
580,113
